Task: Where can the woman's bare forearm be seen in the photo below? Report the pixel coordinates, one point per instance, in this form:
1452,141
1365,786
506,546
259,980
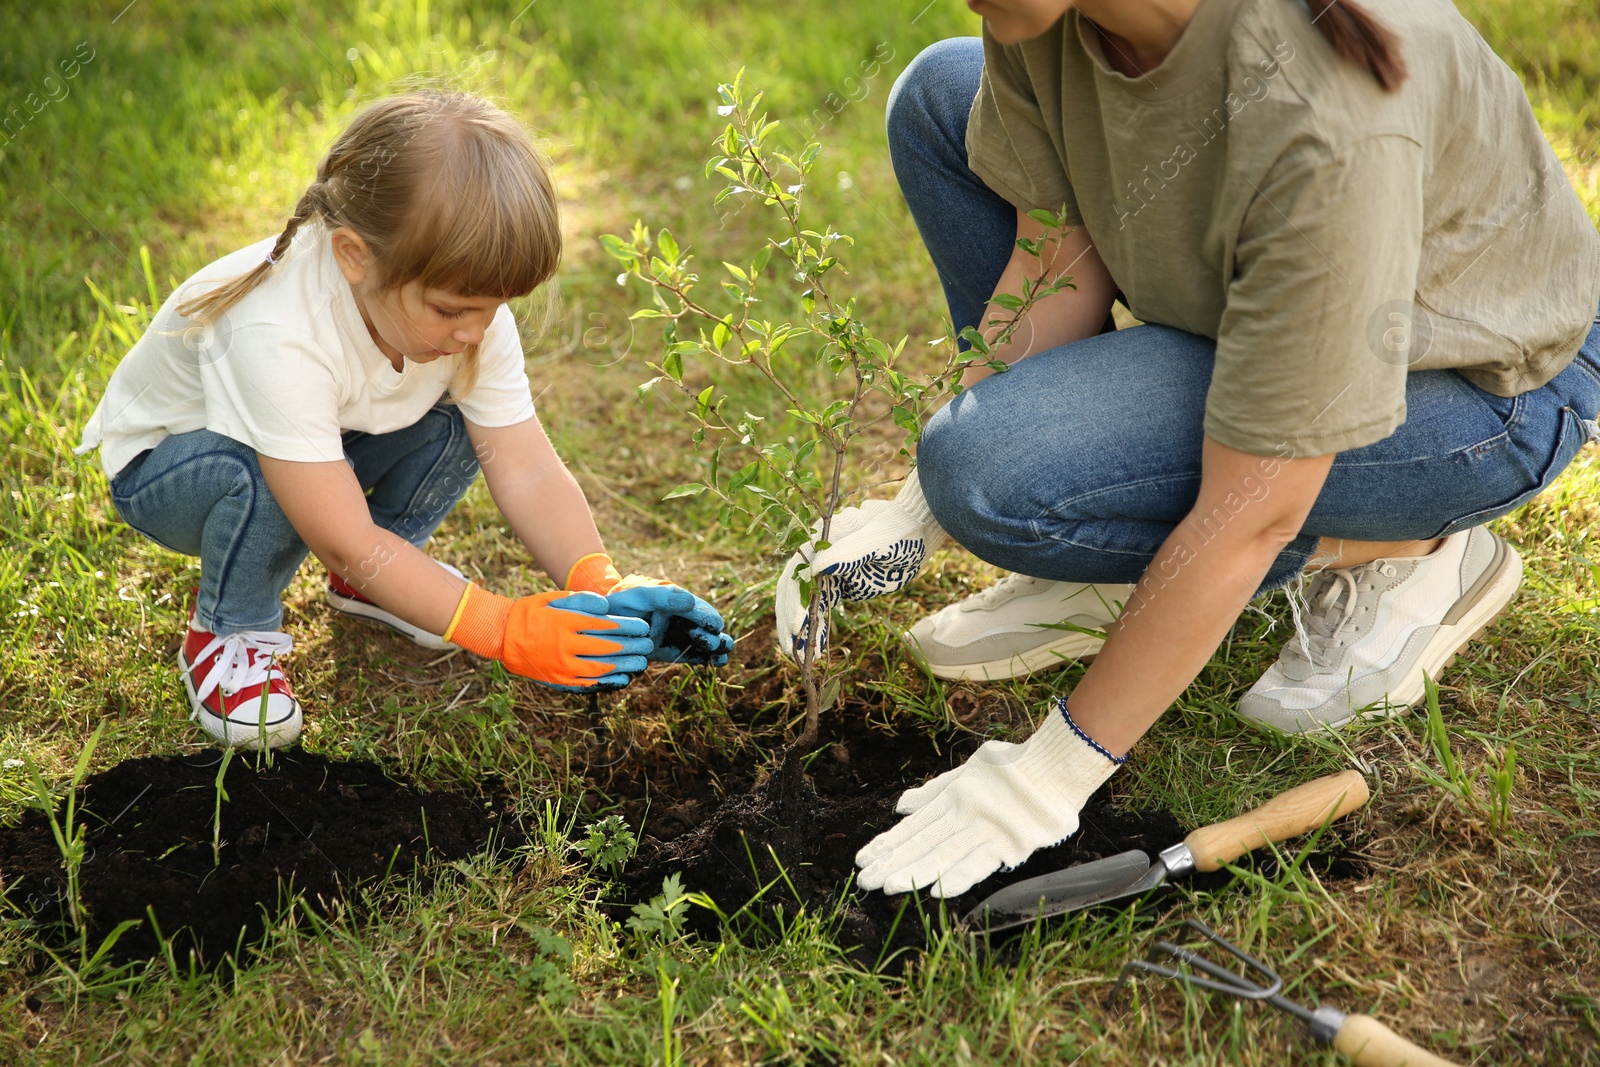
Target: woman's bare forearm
1207,570
1058,319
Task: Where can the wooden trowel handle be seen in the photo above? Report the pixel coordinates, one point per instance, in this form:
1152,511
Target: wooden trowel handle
1369,1043
1289,814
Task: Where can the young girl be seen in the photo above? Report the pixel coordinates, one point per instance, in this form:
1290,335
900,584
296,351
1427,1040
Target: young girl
1369,302
337,388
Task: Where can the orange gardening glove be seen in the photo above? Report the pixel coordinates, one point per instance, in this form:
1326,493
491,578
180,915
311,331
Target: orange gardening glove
683,628
597,574
566,640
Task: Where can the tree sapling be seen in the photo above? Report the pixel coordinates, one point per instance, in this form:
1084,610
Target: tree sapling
788,493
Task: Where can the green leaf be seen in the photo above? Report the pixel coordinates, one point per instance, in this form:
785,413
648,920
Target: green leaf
720,334
906,419
672,366
761,259
686,489
737,272
971,335
617,247
743,477
1045,218
668,246
702,403
1009,301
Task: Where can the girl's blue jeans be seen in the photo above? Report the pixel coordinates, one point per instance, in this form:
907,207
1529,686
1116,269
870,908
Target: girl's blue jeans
203,494
1077,463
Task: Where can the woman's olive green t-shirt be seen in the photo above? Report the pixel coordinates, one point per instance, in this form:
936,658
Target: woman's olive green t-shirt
1259,190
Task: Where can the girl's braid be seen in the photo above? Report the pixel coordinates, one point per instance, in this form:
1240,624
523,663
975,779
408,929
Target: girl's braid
312,203
206,308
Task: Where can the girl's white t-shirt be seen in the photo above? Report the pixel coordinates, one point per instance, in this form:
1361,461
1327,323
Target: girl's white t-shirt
288,368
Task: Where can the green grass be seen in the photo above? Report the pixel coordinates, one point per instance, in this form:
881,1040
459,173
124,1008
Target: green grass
192,131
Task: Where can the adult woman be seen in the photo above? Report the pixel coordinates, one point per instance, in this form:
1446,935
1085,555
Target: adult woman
1369,299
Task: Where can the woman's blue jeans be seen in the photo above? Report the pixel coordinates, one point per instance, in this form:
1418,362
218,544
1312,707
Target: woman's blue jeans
1077,463
203,494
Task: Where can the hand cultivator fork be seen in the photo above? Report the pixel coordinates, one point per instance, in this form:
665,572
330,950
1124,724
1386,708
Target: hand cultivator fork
1368,1042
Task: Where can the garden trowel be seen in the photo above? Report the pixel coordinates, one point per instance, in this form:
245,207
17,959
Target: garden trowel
1131,874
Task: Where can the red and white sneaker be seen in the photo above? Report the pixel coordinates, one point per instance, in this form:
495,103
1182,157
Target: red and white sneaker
346,600
237,691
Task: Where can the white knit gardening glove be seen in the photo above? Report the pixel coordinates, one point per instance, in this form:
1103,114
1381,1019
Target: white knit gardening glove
992,812
873,549
990,753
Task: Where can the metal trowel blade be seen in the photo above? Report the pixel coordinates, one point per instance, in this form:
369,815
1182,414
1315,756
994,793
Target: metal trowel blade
1059,892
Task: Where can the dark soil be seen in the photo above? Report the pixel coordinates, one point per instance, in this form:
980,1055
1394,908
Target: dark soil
307,825
730,848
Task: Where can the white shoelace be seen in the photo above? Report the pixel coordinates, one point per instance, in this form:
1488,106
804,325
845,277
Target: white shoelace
1328,606
245,659
1011,585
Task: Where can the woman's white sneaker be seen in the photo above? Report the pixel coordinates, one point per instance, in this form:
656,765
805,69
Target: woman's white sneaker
1017,626
1371,633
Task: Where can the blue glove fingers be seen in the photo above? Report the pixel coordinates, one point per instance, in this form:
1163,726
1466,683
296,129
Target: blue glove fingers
619,670
628,637
645,600
586,603
702,615
625,664
627,627
668,609
625,646
712,644
696,646
581,601
618,628
604,684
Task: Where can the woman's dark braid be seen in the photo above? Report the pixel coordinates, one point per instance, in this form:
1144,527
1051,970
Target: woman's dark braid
1359,38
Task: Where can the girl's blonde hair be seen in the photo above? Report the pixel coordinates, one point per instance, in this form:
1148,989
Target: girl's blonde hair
446,189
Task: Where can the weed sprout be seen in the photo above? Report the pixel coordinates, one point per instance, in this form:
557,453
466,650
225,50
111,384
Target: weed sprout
609,845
